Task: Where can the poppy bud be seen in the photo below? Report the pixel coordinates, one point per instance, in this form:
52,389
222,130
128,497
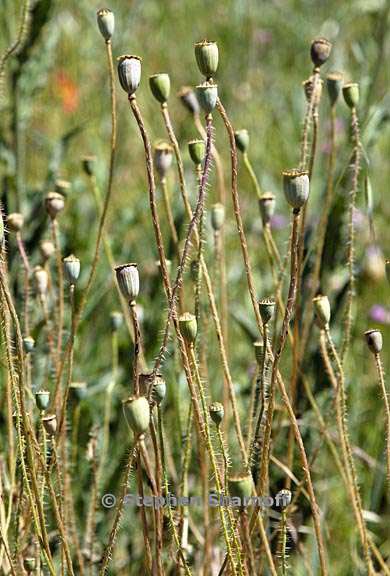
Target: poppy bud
189,99
207,95
71,268
197,150
106,23
137,414
160,86
334,84
42,399
163,155
322,310
128,280
351,94
267,309
129,73
267,207
15,221
296,187
188,327
217,216
54,203
206,54
319,51
374,340
216,412
242,139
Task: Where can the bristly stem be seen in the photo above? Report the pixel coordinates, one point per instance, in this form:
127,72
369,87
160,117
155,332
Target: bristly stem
381,378
137,344
60,292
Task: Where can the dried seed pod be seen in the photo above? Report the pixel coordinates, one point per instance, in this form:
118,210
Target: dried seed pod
334,85
129,73
207,95
283,498
322,310
207,56
242,139
259,352
50,424
296,187
42,399
374,340
54,203
217,216
216,412
351,94
128,280
188,327
163,156
116,319
137,413
160,85
89,164
267,309
47,249
62,187
106,23
78,391
41,280
71,266
197,150
28,344
267,207
241,486
189,99
15,221
320,51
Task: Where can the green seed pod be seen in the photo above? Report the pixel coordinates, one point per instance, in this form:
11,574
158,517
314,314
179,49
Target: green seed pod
28,344
296,187
129,73
159,389
197,150
216,412
351,94
137,414
242,139
207,95
189,100
160,86
89,164
62,187
374,340
206,54
128,280
50,424
42,399
334,84
320,51
241,486
267,309
259,352
78,391
267,207
283,498
163,156
71,268
322,310
41,280
116,319
188,327
106,23
15,221
47,249
217,216
54,203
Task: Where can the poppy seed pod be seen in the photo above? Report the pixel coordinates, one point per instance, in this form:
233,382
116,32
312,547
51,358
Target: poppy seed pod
71,266
351,94
47,249
207,56
78,391
106,23
296,187
374,340
267,207
42,399
259,351
242,139
116,319
216,412
159,389
50,424
197,150
217,216
15,221
129,73
240,486
283,498
128,280
160,85
28,344
320,51
41,280
163,156
189,99
267,309
137,413
188,327
207,95
322,310
334,84
54,203
89,163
